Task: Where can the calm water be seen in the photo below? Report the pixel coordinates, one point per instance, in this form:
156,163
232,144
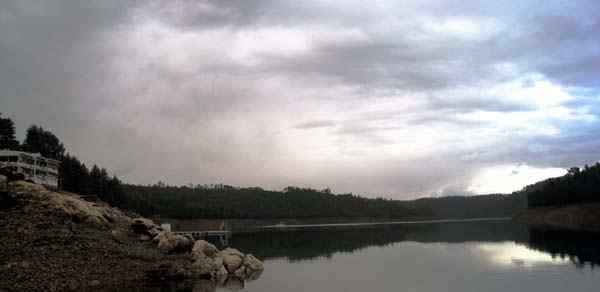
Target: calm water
446,256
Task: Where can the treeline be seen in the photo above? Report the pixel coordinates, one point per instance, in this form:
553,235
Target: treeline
222,201
576,187
480,206
74,176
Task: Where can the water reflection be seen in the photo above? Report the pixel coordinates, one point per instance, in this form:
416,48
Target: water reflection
468,256
510,253
581,248
529,247
307,243
230,283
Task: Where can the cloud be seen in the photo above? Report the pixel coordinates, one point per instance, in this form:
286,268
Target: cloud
315,124
378,98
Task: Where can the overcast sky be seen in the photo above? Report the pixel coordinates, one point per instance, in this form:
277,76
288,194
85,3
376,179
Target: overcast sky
382,98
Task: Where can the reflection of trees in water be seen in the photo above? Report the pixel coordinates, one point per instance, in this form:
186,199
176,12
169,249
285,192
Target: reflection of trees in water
580,247
307,243
298,244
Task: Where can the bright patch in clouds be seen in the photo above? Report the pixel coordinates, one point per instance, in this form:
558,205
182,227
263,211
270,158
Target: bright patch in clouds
510,178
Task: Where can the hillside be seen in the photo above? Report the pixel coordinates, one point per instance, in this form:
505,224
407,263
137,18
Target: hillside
227,202
568,202
57,241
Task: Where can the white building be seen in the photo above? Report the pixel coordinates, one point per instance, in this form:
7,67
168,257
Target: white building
33,166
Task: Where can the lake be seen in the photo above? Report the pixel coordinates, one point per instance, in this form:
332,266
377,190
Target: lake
496,255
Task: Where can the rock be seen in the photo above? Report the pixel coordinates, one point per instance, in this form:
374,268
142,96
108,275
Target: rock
184,244
203,249
145,226
207,266
252,275
167,242
232,259
94,283
241,272
157,238
252,263
118,236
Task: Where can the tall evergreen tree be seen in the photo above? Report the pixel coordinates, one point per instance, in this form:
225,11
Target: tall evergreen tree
44,142
7,134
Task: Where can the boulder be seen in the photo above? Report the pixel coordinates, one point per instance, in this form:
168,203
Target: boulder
232,259
145,226
252,275
184,243
207,267
251,263
167,242
240,273
203,249
157,238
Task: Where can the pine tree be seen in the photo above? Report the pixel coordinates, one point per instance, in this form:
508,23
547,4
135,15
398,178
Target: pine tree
44,142
7,134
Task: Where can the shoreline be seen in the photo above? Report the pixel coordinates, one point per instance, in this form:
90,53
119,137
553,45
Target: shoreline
384,223
581,217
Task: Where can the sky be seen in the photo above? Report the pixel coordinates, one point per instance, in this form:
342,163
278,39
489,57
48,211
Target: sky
399,99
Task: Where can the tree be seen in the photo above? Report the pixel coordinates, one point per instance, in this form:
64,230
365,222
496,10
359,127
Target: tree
44,142
573,170
7,134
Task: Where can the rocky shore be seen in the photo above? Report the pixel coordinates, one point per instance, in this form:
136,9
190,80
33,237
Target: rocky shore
57,241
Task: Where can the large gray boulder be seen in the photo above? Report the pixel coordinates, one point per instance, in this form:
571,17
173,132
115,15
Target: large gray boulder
207,261
232,259
209,266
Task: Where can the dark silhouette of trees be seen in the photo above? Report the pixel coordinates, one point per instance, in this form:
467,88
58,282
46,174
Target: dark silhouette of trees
44,142
576,187
76,178
223,201
7,134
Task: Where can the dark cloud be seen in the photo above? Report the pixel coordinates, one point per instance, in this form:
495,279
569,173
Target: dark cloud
402,99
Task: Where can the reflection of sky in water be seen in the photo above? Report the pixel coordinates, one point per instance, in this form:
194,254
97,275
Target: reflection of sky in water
418,267
510,253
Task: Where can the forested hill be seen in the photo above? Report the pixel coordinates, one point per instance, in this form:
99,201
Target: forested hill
578,186
255,203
